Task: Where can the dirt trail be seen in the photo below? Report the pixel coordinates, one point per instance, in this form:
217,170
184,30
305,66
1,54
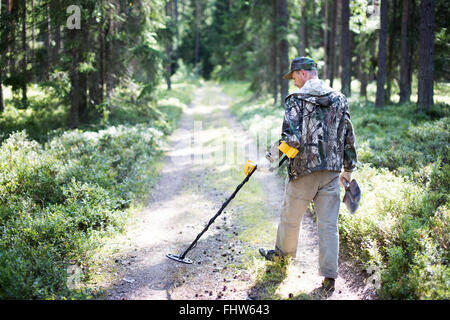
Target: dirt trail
178,210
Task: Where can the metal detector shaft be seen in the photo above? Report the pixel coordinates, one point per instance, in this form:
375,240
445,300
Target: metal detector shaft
211,221
282,160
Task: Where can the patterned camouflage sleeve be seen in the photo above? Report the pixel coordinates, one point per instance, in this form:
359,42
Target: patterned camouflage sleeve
350,157
290,132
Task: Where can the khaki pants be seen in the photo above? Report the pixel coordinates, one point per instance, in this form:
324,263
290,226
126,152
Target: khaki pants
322,187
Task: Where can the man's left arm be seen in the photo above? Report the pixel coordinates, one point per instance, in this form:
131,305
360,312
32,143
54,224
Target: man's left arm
290,132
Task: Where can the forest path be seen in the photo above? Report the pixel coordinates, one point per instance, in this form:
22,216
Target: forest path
188,194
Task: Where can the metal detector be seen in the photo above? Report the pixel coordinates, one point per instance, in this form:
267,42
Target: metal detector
249,168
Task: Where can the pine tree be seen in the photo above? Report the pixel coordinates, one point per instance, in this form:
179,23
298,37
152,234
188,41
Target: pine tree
333,41
284,47
426,54
405,64
382,39
345,48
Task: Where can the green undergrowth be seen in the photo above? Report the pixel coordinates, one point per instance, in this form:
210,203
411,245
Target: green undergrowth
402,225
61,197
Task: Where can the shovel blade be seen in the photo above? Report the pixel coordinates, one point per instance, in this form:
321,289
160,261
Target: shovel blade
352,196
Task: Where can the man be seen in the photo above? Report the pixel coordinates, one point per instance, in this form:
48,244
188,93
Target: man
317,123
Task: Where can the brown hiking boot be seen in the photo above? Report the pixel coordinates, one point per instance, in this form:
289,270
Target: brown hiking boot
328,284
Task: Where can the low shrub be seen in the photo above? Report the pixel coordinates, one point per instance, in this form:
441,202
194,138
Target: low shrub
59,198
54,199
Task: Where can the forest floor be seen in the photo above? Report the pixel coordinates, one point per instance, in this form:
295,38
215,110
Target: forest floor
226,265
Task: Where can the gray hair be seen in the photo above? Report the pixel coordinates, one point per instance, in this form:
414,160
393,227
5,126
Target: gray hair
312,72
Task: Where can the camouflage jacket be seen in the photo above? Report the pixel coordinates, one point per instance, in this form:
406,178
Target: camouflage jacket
317,123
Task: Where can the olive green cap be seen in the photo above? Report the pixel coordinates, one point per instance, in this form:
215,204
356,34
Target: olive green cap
300,63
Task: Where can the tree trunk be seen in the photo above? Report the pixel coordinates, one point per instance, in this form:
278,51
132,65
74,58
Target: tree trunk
325,42
95,87
345,48
273,53
364,81
48,40
333,42
381,74
337,65
74,118
284,48
412,26
33,29
2,67
405,85
177,31
12,42
426,54
371,76
83,105
24,48
392,35
2,102
197,33
109,67
57,47
102,63
303,36
168,46
75,96
78,81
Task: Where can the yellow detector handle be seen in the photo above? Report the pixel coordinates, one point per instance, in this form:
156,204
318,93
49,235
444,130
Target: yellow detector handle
287,150
249,167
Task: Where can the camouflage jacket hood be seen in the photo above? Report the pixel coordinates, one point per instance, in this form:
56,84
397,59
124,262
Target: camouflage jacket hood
317,123
315,87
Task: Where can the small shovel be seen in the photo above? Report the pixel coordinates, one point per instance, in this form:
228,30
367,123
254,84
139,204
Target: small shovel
352,195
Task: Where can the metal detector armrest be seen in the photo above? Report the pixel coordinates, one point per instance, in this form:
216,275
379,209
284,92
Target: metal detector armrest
288,151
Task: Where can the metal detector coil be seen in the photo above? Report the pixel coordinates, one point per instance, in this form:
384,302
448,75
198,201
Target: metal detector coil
179,258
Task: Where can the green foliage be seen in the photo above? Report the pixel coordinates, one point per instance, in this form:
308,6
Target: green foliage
43,115
59,198
399,138
405,234
55,199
